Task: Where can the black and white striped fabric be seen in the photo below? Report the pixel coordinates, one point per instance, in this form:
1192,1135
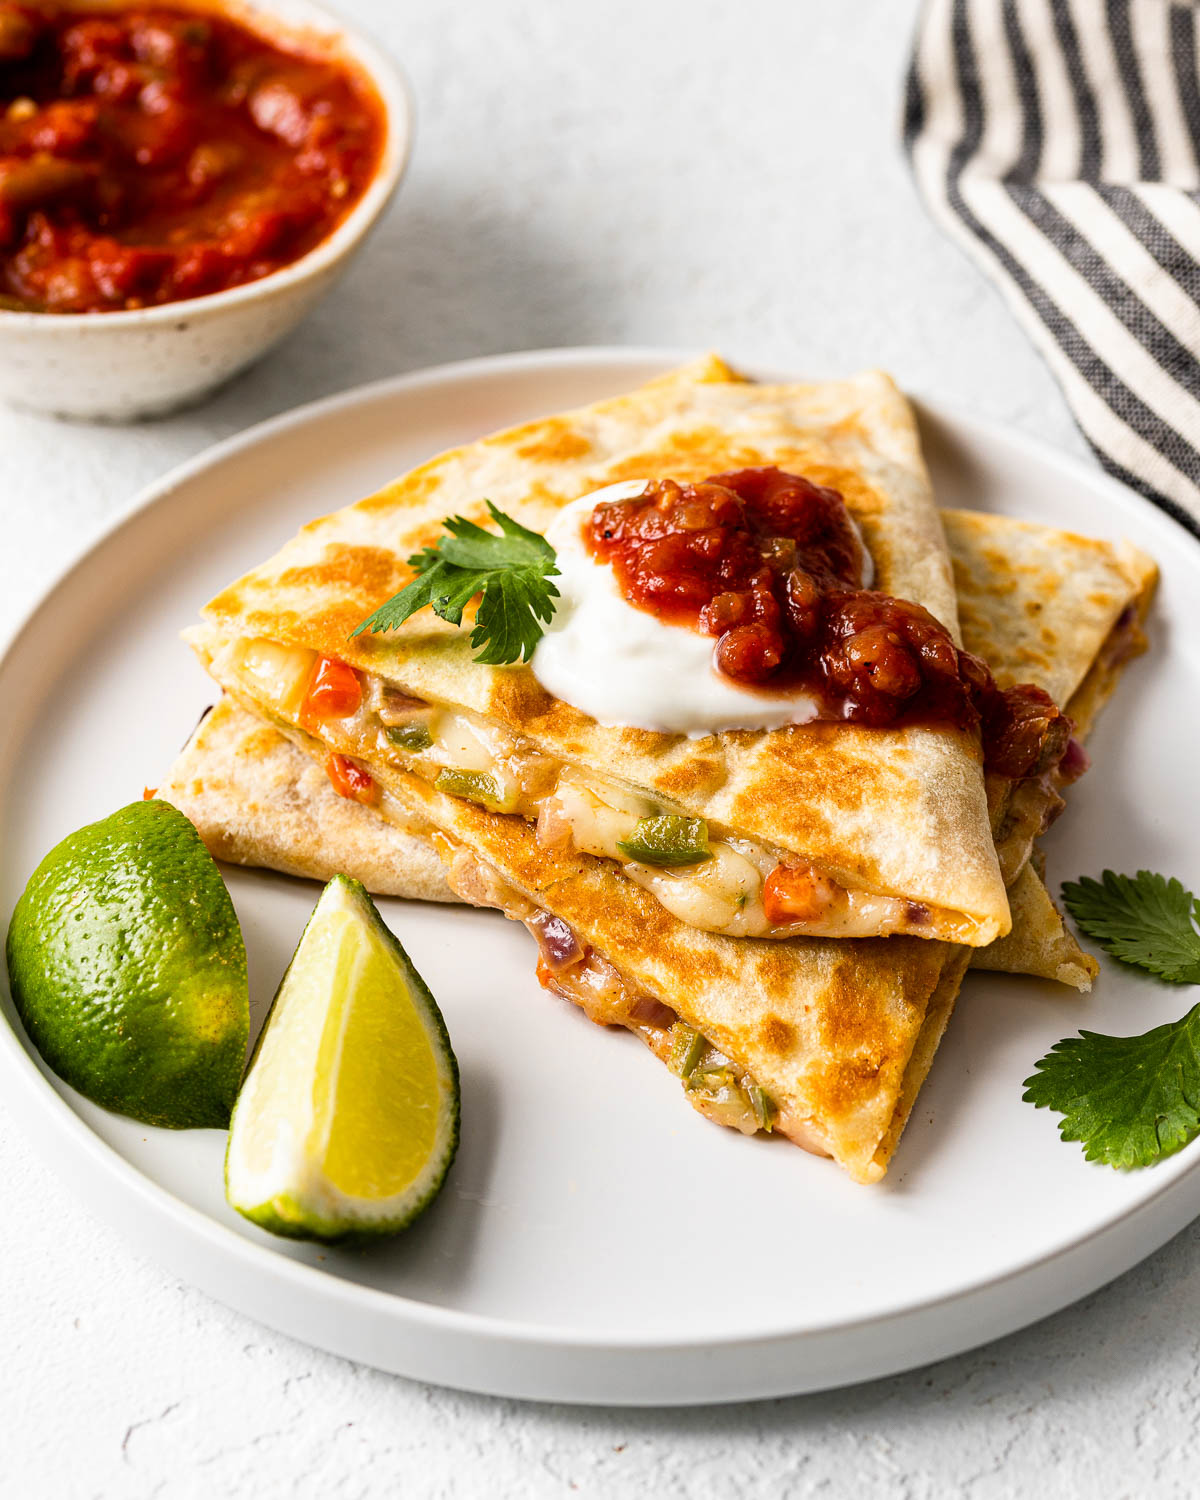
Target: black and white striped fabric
1059,141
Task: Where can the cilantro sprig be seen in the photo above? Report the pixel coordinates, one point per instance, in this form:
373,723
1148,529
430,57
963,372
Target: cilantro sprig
1143,919
511,573
1130,1100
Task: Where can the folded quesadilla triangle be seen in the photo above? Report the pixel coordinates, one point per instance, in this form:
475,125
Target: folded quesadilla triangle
1040,605
840,1035
897,817
826,1027
855,1023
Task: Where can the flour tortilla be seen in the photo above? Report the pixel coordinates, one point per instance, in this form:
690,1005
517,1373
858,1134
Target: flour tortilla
835,1031
901,813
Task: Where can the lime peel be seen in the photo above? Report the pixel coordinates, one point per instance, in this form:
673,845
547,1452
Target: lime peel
128,969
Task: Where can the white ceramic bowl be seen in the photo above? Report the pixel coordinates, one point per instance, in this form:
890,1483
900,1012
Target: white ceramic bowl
120,366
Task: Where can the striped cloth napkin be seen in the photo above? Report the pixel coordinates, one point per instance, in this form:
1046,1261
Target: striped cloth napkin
1059,141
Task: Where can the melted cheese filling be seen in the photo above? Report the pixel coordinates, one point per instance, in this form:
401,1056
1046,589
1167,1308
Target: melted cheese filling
577,809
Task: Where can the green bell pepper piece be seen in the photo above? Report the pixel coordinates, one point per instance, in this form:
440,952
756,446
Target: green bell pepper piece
668,840
687,1048
475,786
415,736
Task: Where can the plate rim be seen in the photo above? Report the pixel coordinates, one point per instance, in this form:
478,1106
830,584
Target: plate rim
264,1260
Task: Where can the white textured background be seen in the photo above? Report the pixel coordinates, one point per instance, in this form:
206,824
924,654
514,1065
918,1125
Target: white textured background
652,171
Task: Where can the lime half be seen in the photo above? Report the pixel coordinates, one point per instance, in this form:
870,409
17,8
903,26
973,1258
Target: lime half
347,1121
128,969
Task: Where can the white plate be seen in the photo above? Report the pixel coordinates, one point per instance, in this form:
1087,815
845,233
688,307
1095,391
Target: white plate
597,1240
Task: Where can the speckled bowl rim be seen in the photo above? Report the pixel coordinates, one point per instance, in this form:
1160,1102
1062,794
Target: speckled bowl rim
395,95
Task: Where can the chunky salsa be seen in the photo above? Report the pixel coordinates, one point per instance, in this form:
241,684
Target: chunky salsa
151,155
772,566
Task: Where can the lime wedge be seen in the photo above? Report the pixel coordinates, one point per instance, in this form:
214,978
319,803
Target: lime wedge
128,969
347,1121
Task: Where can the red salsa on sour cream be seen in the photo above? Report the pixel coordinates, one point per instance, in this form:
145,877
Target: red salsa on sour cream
772,566
149,155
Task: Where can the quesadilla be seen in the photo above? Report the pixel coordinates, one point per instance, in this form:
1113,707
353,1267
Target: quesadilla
1062,610
825,1041
838,829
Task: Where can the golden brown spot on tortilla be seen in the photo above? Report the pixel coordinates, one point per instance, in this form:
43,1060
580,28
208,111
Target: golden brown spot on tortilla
542,499
698,775
643,741
230,602
774,974
692,454
260,741
371,570
862,498
777,1035
516,437
555,442
842,1086
850,426
798,776
519,697
419,485
327,630
845,1020
281,625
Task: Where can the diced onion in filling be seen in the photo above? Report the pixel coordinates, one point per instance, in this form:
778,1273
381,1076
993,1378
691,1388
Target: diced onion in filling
392,707
557,942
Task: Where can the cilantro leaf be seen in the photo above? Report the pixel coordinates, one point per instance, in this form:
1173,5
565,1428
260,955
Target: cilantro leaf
511,574
1143,919
1130,1100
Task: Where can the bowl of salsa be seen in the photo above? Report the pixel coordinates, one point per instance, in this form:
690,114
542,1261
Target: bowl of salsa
179,184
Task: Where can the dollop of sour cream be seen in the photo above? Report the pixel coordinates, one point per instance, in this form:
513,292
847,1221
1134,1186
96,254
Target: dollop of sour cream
624,666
